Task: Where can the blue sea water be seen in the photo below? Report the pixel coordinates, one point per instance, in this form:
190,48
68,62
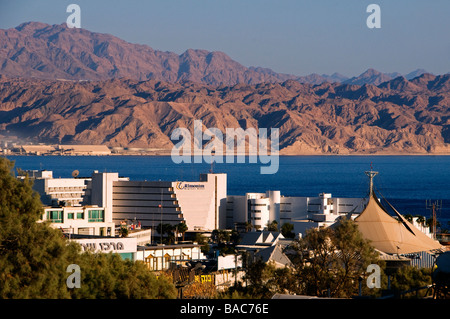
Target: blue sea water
406,181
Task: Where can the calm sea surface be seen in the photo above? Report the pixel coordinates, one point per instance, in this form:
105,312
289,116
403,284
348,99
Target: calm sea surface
406,181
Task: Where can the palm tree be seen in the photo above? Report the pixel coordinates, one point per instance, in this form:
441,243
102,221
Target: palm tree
273,226
421,220
182,228
166,229
408,217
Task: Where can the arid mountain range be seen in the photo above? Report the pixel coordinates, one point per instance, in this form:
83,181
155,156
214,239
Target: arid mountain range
398,116
61,85
39,50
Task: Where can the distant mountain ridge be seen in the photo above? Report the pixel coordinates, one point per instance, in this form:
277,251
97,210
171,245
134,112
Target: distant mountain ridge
396,117
73,86
40,50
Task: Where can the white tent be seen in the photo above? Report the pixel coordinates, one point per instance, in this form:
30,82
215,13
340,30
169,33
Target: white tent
392,235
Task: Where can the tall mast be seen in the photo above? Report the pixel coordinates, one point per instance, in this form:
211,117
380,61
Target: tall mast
371,174
434,207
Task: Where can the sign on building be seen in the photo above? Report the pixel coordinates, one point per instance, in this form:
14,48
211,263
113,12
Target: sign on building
106,245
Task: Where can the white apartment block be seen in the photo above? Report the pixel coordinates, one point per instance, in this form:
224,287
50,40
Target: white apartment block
260,209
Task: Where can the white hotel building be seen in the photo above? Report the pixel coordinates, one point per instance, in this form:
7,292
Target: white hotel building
201,204
65,205
96,205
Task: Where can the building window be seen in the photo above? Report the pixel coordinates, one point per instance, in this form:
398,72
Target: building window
96,216
70,215
55,216
80,215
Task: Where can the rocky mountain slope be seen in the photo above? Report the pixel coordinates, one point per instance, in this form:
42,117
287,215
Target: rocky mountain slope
57,52
39,50
399,116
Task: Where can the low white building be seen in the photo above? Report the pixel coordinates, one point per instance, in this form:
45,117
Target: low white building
66,206
161,257
83,220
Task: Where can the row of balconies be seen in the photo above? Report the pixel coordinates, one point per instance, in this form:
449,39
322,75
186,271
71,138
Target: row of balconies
66,189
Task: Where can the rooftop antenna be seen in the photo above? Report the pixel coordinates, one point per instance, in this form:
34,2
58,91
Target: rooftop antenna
371,174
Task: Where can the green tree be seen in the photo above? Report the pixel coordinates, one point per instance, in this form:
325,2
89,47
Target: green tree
123,231
421,220
203,241
108,276
330,260
220,236
34,256
257,276
182,228
264,280
408,217
287,230
273,226
166,229
409,278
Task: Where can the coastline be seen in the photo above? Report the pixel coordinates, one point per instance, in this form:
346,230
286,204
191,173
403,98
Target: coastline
281,154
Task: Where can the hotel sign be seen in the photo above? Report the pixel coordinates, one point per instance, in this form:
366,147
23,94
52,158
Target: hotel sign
187,186
106,245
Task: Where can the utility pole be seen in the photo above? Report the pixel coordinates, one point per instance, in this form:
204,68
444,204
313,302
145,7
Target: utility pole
434,206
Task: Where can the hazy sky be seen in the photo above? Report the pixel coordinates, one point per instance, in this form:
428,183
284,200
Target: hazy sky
289,36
